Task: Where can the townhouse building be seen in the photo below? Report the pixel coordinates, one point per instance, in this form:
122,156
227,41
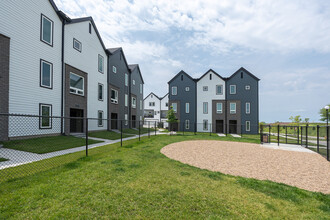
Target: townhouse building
222,104
136,95
155,109
52,65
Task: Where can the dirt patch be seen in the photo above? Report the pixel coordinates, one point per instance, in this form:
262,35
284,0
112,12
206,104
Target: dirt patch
304,170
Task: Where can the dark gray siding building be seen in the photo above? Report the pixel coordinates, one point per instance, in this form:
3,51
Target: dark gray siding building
137,94
242,88
182,96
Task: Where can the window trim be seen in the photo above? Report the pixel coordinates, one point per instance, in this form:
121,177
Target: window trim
141,104
83,90
98,87
216,108
141,88
216,90
247,87
246,108
74,39
187,89
114,69
98,119
207,125
114,101
176,93
126,100
205,88
187,124
230,111
50,116
126,119
230,89
187,104
98,60
207,108
126,79
133,82
246,125
41,30
51,76
133,106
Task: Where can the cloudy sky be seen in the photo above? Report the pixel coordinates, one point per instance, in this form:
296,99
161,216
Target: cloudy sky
284,43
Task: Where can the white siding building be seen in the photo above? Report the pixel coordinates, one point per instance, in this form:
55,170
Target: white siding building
155,109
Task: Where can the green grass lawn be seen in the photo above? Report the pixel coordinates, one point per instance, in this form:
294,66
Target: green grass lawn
111,135
3,159
47,144
134,131
137,182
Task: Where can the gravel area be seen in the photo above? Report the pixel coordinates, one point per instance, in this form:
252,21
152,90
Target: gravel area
304,170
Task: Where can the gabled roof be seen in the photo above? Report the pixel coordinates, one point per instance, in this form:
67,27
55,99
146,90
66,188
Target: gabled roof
116,50
181,72
90,19
151,94
164,96
208,72
243,69
61,14
132,68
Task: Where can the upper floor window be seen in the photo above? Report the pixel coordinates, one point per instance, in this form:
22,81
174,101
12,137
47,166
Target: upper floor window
126,119
141,105
141,88
133,81
232,108
45,111
90,28
181,77
133,102
151,103
126,79
218,89
210,76
232,89
247,108
101,64
100,92
174,90
114,96
126,100
151,95
247,87
100,118
219,107
205,88
205,107
77,44
46,30
114,69
46,74
166,104
187,89
174,107
187,107
76,84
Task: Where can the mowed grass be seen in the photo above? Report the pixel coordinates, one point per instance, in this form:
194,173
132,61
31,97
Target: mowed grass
47,144
111,135
136,131
3,159
137,182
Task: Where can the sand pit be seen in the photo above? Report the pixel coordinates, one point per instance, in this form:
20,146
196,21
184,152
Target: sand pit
304,170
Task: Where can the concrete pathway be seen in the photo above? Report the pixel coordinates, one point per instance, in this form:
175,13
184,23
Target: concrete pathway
221,135
17,157
235,135
288,147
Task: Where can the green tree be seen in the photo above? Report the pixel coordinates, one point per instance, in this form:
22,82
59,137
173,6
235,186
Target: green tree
171,116
323,114
295,119
306,120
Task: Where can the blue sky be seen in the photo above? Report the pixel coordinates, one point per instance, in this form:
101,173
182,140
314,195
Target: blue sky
284,43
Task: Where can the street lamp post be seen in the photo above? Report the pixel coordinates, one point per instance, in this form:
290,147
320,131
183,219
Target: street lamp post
327,113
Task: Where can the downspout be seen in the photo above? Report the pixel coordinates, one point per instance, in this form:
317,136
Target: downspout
62,83
108,96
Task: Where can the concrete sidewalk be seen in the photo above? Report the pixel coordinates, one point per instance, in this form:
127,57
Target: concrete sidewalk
288,147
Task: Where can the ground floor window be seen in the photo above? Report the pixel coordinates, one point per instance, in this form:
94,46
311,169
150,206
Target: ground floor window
100,118
205,125
247,126
187,124
126,119
45,111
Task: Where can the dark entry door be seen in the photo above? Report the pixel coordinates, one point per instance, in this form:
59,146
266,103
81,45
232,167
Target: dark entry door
133,121
114,121
76,125
232,127
219,126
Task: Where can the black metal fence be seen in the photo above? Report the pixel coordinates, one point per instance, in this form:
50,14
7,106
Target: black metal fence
313,137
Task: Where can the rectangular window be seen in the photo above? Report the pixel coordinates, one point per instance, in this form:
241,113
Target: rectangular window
101,64
133,82
187,89
232,108
232,89
141,88
133,102
76,84
126,100
174,107
100,92
77,44
247,126
166,104
45,111
247,108
205,107
174,90
46,30
151,103
46,74
205,125
205,88
187,107
219,89
140,104
219,108
126,79
114,69
126,119
140,118
114,96
187,124
90,28
100,118
247,87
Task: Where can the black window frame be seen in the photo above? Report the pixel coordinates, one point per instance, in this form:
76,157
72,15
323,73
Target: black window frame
98,118
74,39
98,58
98,91
50,116
41,29
51,77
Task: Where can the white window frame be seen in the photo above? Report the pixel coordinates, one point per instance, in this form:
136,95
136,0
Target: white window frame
126,79
126,119
216,90
140,118
205,107
141,104
133,102
247,87
219,111
205,88
247,107
187,88
232,111
41,74
98,92
133,81
187,124
176,107
100,57
174,88
115,101
126,100
50,115
100,119
247,126
205,125
76,90
51,29
114,69
232,92
79,43
187,107
141,89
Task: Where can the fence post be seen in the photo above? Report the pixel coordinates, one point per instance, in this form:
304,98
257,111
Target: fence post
328,156
318,138
148,129
278,135
261,134
269,136
241,130
86,134
139,130
306,135
195,128
298,134
121,133
155,127
301,134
